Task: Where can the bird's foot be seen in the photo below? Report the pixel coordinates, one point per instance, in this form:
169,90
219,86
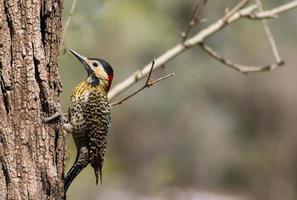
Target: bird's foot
51,118
57,116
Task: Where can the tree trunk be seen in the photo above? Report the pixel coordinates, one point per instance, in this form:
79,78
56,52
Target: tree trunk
32,154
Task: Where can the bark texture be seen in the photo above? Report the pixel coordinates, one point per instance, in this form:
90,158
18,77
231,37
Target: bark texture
32,154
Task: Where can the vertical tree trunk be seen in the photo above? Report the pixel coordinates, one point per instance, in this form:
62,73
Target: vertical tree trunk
32,154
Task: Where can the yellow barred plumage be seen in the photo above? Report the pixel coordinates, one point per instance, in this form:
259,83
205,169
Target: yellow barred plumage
90,117
84,87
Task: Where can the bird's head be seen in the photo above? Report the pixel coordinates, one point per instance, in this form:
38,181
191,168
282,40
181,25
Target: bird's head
100,73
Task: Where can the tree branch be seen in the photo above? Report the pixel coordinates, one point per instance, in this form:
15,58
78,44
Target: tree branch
239,67
244,68
147,84
194,21
200,37
273,13
235,9
269,35
67,24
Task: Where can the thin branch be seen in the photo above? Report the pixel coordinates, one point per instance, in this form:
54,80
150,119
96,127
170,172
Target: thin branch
67,24
270,35
244,68
151,83
273,13
194,21
150,73
147,84
235,9
239,67
201,36
139,90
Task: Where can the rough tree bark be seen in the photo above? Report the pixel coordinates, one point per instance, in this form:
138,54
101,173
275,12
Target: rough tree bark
32,155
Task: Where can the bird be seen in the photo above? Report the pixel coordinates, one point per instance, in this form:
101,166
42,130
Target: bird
89,117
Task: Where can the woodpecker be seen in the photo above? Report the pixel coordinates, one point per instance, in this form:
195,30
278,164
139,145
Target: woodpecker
89,117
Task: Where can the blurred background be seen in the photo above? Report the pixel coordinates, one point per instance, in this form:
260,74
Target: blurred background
207,133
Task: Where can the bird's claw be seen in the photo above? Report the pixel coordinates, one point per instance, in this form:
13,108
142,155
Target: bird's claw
51,118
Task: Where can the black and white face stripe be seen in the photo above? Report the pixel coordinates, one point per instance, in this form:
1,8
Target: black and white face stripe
107,68
97,69
101,69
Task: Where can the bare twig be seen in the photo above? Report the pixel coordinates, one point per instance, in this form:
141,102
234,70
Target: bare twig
273,13
194,21
151,83
67,24
239,67
235,9
244,68
200,37
147,84
269,35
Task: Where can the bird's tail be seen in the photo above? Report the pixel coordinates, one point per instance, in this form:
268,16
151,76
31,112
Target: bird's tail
73,172
81,161
98,174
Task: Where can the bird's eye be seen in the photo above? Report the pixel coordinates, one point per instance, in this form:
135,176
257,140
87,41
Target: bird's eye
95,64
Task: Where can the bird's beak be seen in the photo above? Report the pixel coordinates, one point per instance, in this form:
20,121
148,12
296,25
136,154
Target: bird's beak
82,59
